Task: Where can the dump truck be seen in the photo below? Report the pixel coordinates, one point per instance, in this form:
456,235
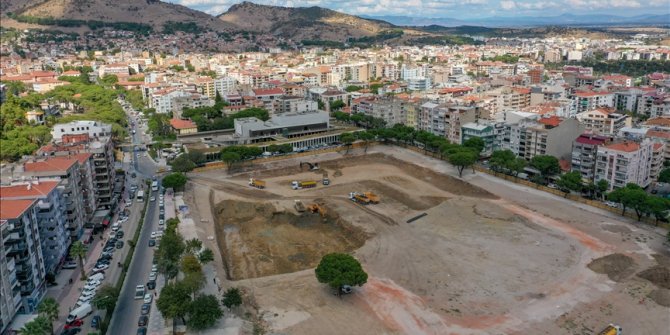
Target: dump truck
314,166
373,197
297,185
325,180
359,198
259,184
299,206
612,330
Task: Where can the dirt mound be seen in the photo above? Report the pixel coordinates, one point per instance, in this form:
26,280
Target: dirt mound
257,240
615,266
412,202
661,297
659,275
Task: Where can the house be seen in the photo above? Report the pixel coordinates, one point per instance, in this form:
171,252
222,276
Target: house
183,127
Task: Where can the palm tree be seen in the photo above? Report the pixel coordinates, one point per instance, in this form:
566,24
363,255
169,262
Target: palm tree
78,250
49,309
39,326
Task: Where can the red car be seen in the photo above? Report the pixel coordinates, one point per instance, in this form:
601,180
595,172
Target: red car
74,324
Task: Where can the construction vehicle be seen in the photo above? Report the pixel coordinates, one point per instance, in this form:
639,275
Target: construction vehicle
298,185
325,180
259,184
314,166
316,208
612,330
373,197
359,198
299,206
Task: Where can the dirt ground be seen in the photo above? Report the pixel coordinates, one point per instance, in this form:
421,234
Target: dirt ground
489,257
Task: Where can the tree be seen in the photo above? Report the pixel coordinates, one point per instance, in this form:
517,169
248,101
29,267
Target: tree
366,137
197,157
339,269
664,176
206,256
170,251
175,180
190,264
193,281
174,300
182,164
571,181
78,251
193,246
347,139
230,158
48,308
658,207
462,159
232,297
500,159
336,105
106,297
547,165
39,326
476,143
602,186
203,312
630,196
516,166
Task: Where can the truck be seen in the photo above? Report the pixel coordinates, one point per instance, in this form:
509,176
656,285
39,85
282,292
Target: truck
139,292
259,184
299,206
154,186
612,330
298,185
373,197
359,198
79,313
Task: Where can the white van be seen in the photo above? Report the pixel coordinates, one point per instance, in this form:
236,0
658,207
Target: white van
79,313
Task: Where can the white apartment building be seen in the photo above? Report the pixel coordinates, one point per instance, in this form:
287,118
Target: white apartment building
625,162
92,128
225,85
604,121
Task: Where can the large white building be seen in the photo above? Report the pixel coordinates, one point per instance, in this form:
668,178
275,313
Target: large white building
94,129
625,162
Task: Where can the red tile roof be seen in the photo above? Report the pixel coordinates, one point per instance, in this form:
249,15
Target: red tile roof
50,164
624,146
591,139
31,190
182,124
12,209
268,91
553,121
82,157
658,134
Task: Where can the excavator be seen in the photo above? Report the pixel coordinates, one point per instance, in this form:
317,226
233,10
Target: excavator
316,208
314,166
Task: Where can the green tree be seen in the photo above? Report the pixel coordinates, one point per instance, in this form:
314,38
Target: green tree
516,166
462,159
206,256
230,158
339,269
366,137
547,165
232,297
336,105
475,143
500,159
658,207
39,326
193,246
664,176
48,308
602,186
190,263
182,164
347,139
78,251
630,196
571,181
203,312
174,300
170,251
353,88
175,180
106,298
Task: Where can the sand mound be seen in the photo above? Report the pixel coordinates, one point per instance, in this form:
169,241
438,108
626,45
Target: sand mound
615,266
661,297
658,275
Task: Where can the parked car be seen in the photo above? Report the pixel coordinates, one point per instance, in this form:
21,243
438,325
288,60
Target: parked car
101,267
153,234
151,285
95,321
148,298
70,265
71,331
152,242
120,234
152,276
74,324
142,331
91,285
154,268
612,204
142,321
152,199
161,222
146,308
119,244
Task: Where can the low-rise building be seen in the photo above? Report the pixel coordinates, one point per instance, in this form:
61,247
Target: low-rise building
253,130
183,127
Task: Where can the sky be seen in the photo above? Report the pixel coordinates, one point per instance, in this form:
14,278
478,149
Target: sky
458,9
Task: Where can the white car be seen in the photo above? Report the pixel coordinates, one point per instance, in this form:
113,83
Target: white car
152,199
161,222
101,267
91,285
154,268
86,293
86,298
152,276
153,234
148,298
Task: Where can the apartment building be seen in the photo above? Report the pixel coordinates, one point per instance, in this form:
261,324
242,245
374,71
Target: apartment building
509,98
483,130
224,85
625,162
588,100
50,214
389,109
584,154
10,289
268,96
293,104
64,170
92,128
446,120
604,121
22,246
653,104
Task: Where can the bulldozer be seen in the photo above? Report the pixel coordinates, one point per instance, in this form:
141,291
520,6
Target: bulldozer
314,166
316,208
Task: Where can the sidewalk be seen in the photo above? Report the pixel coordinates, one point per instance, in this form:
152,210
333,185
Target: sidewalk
156,324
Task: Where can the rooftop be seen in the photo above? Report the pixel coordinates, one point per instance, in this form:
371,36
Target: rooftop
12,209
624,146
50,164
182,124
28,190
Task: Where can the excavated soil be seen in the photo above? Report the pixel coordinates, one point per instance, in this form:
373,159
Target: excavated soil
257,239
615,266
661,297
659,275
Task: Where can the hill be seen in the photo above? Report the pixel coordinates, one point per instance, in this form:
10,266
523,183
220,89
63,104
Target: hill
153,13
301,23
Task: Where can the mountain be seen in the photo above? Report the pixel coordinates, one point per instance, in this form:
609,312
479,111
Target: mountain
531,21
301,23
152,12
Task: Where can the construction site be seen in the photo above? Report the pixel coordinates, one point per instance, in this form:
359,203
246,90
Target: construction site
444,255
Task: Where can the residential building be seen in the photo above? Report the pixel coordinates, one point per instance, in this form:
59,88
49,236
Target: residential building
604,121
584,154
625,162
485,131
446,120
293,104
587,100
224,85
10,288
92,128
183,127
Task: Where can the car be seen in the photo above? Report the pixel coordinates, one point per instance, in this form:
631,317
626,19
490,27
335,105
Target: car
87,293
153,234
162,211
74,324
152,199
142,321
133,175
95,321
142,331
105,256
146,308
152,243
71,331
148,298
161,222
152,276
70,265
85,299
154,268
91,285
612,204
119,244
101,267
120,234
108,249
151,285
